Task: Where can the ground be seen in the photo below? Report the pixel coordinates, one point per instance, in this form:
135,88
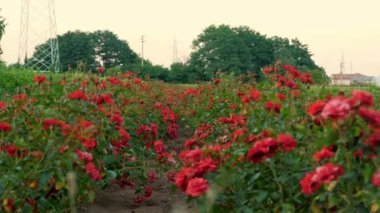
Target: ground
164,200
115,200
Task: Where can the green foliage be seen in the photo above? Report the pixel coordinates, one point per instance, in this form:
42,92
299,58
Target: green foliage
76,51
220,49
12,80
80,51
112,51
227,118
150,71
241,50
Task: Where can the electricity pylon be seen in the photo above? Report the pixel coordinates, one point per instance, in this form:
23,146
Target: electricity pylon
37,27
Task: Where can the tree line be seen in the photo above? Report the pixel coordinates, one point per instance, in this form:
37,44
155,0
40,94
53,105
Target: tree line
234,50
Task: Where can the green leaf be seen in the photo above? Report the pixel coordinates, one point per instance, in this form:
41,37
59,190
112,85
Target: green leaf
44,179
2,189
261,196
111,174
27,208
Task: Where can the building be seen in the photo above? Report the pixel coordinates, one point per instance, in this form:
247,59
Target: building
351,79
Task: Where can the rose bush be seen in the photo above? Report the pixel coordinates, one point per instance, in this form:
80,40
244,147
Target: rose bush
282,145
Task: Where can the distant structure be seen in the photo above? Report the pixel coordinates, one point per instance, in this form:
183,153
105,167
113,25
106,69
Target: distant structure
38,26
175,52
142,50
350,79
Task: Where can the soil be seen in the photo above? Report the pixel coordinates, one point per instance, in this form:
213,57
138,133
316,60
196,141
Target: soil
115,200
164,200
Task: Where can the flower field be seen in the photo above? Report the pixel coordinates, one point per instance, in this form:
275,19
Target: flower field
281,145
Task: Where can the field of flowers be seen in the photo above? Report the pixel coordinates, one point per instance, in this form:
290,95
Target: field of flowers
282,145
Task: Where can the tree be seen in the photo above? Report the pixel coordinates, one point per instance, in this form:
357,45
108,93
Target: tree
241,50
219,49
81,50
259,46
2,30
297,54
76,51
111,50
179,73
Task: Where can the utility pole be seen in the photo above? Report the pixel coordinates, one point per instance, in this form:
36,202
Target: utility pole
142,50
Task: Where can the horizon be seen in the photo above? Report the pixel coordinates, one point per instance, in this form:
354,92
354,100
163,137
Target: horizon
329,29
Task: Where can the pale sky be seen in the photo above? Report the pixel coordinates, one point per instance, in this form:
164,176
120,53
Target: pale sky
329,27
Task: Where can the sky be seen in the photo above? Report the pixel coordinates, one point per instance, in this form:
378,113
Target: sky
330,28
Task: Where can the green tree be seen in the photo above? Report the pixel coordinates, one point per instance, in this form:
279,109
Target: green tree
76,50
81,50
219,48
297,54
242,50
179,73
112,51
260,47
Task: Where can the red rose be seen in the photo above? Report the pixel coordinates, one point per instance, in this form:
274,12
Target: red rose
47,123
152,176
262,150
123,133
323,154
216,81
272,106
254,95
39,79
10,149
316,108
371,116
84,155
77,95
5,127
363,97
373,140
148,191
329,172
88,143
310,183
322,174
100,69
196,187
3,106
287,141
191,155
204,166
93,171
159,147
189,143
281,96
182,178
336,108
376,178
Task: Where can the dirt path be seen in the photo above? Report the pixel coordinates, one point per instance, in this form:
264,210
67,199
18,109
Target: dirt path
121,201
115,200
